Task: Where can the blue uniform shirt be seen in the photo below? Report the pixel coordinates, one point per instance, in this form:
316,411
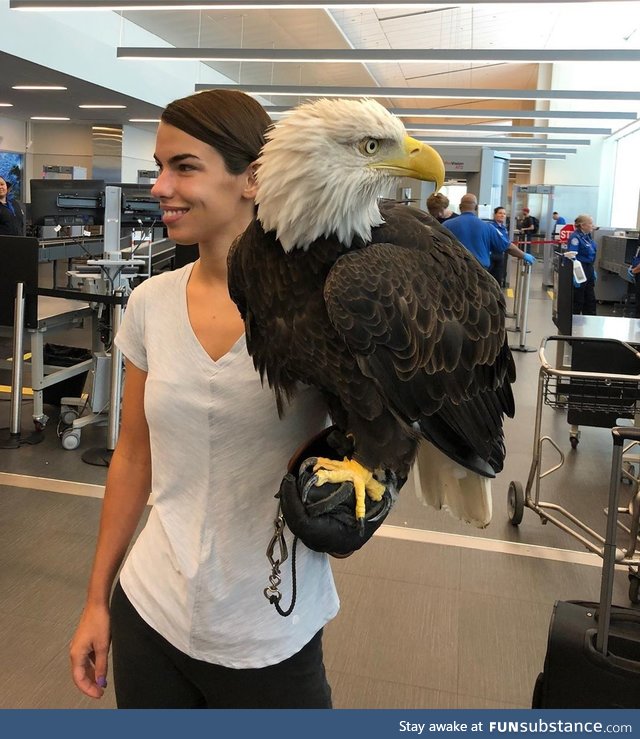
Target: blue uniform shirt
479,237
584,245
504,234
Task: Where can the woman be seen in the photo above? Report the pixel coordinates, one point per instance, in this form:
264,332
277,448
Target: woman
498,258
189,621
11,213
581,241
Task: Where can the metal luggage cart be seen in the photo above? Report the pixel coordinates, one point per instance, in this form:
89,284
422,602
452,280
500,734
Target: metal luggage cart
603,396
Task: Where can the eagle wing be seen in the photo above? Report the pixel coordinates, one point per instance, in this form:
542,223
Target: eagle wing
426,324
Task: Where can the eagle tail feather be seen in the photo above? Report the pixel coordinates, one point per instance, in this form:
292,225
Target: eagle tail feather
441,483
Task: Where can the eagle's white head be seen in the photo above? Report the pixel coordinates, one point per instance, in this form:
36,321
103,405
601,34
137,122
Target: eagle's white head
325,165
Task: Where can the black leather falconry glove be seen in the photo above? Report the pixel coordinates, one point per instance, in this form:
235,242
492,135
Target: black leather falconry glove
323,517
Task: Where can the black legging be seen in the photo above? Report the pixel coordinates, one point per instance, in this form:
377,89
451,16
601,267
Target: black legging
584,297
151,673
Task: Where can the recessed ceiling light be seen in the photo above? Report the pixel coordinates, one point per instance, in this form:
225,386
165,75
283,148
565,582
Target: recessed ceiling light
38,87
48,118
144,120
6,105
102,106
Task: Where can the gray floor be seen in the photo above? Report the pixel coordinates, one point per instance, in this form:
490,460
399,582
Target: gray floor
435,614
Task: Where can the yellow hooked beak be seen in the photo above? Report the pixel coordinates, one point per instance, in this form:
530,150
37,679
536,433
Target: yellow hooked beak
417,160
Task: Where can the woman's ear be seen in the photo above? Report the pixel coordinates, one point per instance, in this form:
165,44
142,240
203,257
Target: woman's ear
251,186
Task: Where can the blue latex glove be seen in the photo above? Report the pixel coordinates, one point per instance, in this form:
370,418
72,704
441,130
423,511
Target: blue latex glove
529,259
595,277
632,277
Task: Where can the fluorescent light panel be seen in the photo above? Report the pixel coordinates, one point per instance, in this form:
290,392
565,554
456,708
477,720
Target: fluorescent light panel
490,113
6,105
48,118
46,5
426,92
144,120
373,56
38,87
102,107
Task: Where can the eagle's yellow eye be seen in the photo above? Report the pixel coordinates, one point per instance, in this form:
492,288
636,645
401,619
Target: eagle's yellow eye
369,146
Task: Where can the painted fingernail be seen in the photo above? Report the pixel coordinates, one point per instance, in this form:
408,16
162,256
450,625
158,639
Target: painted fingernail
101,681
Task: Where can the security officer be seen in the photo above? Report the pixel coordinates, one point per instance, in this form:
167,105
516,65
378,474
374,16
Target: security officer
581,241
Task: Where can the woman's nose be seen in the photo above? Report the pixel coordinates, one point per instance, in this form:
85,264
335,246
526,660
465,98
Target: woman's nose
162,186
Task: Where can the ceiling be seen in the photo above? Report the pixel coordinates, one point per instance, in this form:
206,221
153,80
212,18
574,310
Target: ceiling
63,103
549,26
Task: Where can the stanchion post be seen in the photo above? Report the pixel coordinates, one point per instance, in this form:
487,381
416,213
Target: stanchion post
524,309
116,382
18,366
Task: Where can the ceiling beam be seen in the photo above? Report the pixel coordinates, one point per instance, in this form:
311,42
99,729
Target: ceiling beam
463,128
373,56
493,113
523,141
527,152
48,5
426,92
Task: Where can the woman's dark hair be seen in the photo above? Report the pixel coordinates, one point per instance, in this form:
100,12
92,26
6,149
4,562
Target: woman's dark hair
231,122
500,207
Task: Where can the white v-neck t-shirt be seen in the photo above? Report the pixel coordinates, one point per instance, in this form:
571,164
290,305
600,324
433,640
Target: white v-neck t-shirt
198,569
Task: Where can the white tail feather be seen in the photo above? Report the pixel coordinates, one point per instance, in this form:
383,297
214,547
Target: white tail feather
441,483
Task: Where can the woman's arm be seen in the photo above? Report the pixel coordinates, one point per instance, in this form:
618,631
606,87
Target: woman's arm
126,494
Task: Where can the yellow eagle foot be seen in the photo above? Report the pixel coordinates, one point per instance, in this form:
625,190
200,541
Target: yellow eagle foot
362,479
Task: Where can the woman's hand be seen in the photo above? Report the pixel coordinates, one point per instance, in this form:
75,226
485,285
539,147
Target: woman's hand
89,651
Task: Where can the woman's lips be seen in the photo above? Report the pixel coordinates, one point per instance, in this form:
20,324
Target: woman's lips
173,215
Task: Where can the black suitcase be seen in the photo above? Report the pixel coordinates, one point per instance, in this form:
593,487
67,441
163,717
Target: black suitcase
593,650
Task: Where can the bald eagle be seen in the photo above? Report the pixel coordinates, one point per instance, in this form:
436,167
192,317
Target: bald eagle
375,304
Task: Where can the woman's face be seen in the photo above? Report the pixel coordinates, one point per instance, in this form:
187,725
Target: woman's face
500,215
3,189
586,226
199,199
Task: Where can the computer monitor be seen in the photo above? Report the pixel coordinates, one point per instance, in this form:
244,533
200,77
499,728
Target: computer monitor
67,202
138,205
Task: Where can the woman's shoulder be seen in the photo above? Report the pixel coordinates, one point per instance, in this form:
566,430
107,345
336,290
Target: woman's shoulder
165,280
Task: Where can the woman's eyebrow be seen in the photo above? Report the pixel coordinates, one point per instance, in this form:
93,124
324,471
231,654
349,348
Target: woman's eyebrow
177,158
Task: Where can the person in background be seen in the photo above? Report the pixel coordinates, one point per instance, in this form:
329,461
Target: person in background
581,241
557,220
12,219
481,238
498,258
438,207
634,274
527,225
188,619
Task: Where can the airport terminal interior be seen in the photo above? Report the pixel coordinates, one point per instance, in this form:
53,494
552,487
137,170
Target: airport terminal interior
435,613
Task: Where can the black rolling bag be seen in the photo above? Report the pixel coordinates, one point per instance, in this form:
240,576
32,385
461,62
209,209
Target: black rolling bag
593,651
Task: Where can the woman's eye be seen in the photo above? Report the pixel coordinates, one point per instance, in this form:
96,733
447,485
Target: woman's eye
369,146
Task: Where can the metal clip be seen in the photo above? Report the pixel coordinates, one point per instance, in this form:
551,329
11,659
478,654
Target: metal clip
279,541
